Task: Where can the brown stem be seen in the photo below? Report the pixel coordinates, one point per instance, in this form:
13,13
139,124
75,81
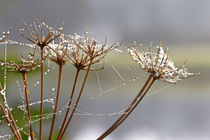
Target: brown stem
57,101
8,122
41,97
70,101
27,104
132,106
139,100
78,98
11,117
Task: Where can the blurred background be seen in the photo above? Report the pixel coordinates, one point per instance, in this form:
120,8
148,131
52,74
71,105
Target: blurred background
175,112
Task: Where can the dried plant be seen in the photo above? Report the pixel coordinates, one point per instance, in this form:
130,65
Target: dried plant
24,67
57,53
8,115
5,109
83,52
160,67
39,38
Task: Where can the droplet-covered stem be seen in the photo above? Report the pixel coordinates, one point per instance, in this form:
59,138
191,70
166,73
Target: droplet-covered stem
70,101
57,101
27,104
132,106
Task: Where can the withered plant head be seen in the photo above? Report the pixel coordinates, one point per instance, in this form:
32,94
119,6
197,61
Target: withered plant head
37,34
84,51
159,64
57,52
5,35
26,65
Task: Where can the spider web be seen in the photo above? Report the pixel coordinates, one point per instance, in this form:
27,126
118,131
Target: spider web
123,81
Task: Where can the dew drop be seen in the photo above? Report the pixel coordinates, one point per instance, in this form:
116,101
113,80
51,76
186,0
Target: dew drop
37,82
53,89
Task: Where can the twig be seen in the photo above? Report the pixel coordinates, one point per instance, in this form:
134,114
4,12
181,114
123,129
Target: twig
27,104
57,101
70,101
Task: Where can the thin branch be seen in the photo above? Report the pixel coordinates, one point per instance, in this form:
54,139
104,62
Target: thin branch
41,97
78,98
27,104
8,121
119,121
70,101
57,101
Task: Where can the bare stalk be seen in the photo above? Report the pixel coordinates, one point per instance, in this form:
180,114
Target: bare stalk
8,122
128,111
57,101
27,104
70,101
75,106
11,117
41,97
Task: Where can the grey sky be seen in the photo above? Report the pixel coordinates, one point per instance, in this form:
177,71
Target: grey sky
168,20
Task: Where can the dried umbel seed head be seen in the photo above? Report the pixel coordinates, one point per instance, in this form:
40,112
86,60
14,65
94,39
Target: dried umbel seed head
57,52
159,64
84,51
26,65
39,37
4,36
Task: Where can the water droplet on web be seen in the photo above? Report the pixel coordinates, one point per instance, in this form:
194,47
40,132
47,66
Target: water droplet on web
48,70
45,73
37,82
53,89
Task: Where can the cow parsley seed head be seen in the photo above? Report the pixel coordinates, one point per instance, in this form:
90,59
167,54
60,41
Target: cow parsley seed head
25,66
40,34
84,51
57,52
159,64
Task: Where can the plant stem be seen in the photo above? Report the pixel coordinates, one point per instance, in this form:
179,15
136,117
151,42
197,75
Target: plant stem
128,111
27,104
139,100
11,117
8,122
70,101
78,98
41,97
57,101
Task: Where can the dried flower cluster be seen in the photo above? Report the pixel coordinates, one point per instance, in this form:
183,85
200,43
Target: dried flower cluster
159,64
26,65
83,52
160,67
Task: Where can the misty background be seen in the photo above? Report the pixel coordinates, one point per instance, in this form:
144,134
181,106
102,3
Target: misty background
181,112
